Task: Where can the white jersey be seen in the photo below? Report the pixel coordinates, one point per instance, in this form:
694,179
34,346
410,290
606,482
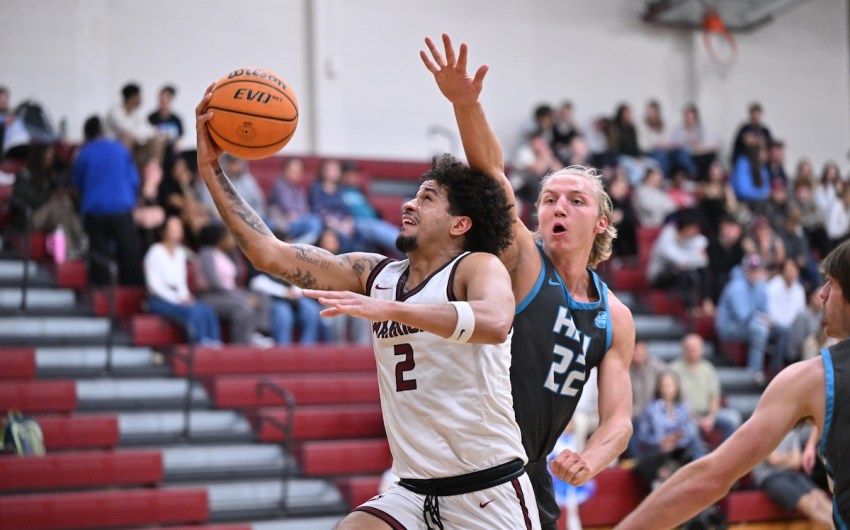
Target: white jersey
447,407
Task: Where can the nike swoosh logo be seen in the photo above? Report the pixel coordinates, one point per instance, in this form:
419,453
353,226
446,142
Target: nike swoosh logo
553,282
484,504
459,335
381,287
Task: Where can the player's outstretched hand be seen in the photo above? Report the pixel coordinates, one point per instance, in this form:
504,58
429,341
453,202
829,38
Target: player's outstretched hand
349,303
570,467
450,72
208,151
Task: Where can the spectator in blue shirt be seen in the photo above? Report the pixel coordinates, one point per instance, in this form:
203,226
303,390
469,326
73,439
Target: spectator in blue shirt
750,178
107,180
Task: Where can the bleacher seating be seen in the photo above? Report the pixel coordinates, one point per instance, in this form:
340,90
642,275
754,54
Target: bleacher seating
79,431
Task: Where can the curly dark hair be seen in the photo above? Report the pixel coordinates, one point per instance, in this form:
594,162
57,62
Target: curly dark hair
481,198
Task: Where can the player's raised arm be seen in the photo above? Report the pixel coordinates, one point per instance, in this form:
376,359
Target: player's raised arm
480,143
485,312
303,265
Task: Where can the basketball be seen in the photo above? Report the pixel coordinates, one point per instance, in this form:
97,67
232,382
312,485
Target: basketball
254,113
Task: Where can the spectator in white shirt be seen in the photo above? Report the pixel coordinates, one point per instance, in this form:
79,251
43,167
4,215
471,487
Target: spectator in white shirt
838,217
168,288
786,302
125,122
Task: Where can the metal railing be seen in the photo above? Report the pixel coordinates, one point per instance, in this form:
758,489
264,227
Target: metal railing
27,250
111,293
286,428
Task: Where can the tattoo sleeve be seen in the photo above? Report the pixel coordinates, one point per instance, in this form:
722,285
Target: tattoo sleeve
237,206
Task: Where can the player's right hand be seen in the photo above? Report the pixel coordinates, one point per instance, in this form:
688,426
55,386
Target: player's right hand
450,72
208,151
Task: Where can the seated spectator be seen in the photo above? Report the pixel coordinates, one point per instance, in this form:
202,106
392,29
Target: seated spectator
243,182
326,201
579,152
289,307
786,302
178,197
838,217
701,390
624,218
564,131
678,261
169,126
797,248
725,252
39,186
781,477
107,181
216,279
623,138
682,189
742,313
828,187
168,288
655,140
288,206
807,324
601,147
643,373
148,214
126,123
344,329
651,201
667,436
750,178
370,230
750,133
764,241
691,136
777,205
534,159
812,219
776,162
716,198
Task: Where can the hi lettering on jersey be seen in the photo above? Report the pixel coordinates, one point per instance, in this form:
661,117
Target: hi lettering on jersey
566,360
389,329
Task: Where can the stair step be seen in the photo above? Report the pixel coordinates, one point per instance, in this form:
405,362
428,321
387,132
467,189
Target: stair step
226,461
38,298
137,394
658,327
262,498
141,428
91,360
312,523
16,330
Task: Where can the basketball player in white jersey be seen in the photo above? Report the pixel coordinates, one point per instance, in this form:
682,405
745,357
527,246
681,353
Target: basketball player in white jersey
441,324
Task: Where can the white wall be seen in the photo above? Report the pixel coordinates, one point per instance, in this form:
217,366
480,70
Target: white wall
363,91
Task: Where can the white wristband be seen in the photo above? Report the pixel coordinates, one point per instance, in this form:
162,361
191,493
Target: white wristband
465,323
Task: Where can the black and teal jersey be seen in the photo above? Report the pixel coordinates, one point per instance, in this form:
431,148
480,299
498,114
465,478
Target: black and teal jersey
556,342
835,439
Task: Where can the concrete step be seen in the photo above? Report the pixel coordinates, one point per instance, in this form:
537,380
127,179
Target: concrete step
670,349
225,461
52,330
230,501
12,269
312,523
737,380
138,394
38,298
166,427
91,360
658,327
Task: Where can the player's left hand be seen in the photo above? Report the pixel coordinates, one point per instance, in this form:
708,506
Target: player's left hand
570,467
349,303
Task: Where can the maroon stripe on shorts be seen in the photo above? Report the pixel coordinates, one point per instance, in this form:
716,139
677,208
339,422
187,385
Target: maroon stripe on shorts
385,517
521,496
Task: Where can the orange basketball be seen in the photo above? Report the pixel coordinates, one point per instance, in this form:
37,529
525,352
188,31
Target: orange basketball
254,113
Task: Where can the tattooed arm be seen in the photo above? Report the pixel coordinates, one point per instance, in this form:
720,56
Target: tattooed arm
302,265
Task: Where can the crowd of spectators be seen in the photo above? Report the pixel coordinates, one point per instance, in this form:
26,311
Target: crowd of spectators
129,193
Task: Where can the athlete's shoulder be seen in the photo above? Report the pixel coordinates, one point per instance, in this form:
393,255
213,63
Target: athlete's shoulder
622,323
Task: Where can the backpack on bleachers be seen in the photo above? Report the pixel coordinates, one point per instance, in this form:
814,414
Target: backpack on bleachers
21,435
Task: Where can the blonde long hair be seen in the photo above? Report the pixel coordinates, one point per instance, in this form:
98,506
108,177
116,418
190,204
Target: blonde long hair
603,243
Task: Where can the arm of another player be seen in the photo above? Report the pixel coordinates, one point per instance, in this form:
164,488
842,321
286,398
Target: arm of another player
615,405
481,280
302,265
480,143
795,394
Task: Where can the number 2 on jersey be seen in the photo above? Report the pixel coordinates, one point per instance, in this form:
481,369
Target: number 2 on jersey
405,365
559,367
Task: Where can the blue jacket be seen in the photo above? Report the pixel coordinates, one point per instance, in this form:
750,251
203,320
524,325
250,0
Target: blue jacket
740,300
106,177
742,181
